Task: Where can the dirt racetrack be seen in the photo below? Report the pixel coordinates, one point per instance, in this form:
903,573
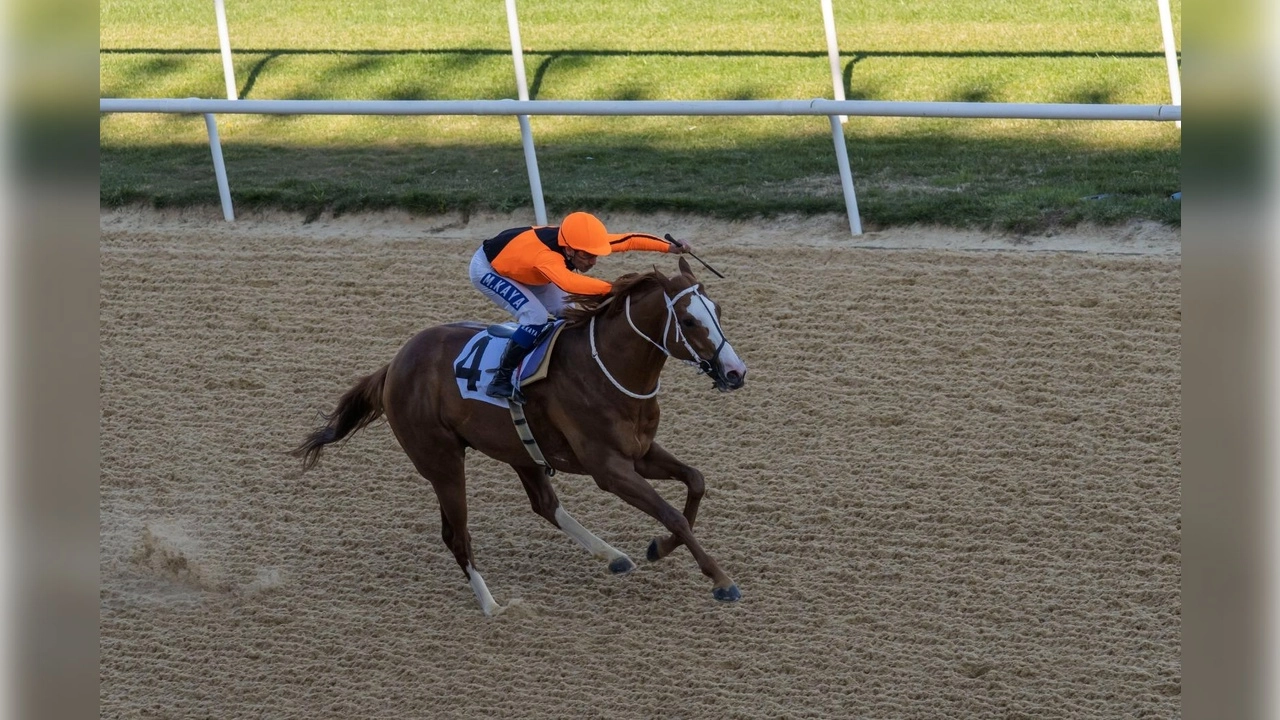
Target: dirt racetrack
950,488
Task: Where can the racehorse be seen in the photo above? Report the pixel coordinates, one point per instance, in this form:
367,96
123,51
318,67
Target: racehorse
595,414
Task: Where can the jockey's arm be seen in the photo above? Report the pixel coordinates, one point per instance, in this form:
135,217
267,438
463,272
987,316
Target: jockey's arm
555,272
625,242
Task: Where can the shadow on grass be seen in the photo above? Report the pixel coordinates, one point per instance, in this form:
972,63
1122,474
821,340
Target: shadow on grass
1010,184
580,59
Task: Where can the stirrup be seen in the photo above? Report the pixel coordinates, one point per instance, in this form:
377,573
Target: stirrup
514,396
505,391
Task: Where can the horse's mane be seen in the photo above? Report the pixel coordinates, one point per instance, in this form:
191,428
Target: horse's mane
580,309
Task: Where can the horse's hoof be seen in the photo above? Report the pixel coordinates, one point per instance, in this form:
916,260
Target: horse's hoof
621,566
729,594
652,553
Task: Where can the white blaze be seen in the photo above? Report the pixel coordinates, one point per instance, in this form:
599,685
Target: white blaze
703,310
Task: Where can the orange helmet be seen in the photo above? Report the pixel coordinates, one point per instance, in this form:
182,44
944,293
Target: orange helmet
583,231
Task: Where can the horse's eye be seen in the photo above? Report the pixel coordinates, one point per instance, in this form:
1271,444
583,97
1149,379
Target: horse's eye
687,322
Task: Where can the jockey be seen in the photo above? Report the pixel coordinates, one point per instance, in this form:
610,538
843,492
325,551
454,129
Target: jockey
529,271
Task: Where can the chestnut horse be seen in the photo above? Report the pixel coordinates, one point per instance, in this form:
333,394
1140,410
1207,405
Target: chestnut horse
595,414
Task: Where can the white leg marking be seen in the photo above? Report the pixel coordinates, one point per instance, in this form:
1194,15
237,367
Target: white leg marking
594,545
487,604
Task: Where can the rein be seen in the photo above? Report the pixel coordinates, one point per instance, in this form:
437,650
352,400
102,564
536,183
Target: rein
591,333
704,366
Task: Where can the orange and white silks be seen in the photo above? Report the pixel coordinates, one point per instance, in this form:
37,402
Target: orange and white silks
532,256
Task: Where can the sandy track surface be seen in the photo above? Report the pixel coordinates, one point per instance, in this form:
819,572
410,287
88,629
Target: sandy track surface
951,487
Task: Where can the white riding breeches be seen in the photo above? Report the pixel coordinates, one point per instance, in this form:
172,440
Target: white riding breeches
528,304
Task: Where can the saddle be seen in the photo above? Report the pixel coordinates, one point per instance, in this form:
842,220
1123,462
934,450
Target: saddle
535,365
482,354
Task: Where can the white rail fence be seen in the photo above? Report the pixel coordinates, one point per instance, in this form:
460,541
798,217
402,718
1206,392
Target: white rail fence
837,110
522,109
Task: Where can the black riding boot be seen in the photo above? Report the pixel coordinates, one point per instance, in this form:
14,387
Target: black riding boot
501,386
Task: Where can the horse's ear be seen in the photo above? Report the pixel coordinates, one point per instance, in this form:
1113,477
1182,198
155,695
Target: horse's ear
658,272
686,270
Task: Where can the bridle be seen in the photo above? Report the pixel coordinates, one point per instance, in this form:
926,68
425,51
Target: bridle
704,365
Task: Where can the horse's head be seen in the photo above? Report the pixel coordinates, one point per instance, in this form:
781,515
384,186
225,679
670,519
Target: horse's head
696,335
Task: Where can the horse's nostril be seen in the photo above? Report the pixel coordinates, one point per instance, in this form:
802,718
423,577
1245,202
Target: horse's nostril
734,377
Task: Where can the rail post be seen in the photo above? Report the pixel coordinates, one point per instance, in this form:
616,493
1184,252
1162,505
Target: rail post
224,41
219,168
846,176
833,54
526,129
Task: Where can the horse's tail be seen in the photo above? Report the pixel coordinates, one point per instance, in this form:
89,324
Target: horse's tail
358,407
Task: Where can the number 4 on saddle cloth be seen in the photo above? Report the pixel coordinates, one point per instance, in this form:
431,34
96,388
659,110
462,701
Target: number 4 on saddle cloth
474,366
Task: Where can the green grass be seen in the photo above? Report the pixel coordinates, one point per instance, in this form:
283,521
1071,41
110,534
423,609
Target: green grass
1022,175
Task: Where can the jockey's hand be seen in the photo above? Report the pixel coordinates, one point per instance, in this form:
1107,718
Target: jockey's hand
680,247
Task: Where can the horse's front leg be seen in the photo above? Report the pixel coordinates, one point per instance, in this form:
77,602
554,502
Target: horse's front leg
617,475
658,464
545,503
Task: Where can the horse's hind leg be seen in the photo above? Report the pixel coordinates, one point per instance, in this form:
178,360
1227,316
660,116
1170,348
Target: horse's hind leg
658,464
545,503
444,471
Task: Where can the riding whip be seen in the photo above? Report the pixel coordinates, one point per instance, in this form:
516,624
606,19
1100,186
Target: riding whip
673,241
